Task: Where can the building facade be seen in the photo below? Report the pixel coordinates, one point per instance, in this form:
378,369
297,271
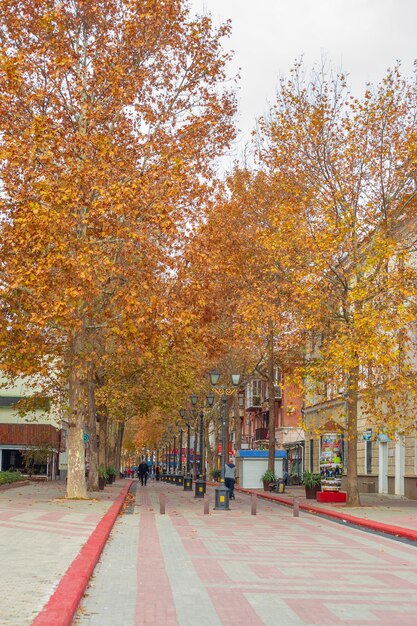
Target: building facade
386,466
289,434
41,429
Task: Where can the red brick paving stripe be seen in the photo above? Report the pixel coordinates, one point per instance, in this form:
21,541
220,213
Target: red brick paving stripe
154,603
233,608
61,606
388,529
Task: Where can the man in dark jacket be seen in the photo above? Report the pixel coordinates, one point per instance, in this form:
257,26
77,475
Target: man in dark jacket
229,478
143,472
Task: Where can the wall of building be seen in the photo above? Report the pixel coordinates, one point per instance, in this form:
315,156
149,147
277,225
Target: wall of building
370,482
22,389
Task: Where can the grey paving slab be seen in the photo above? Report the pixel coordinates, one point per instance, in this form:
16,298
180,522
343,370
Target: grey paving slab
111,593
273,610
190,595
40,535
236,569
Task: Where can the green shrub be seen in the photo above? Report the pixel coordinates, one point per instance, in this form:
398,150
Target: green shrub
311,480
111,471
10,477
269,477
102,472
215,474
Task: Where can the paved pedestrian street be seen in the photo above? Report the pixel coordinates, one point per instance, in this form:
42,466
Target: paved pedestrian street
41,533
233,568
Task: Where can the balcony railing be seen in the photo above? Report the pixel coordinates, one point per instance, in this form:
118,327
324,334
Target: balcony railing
261,434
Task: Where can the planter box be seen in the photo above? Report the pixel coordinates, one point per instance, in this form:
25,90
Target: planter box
331,496
311,492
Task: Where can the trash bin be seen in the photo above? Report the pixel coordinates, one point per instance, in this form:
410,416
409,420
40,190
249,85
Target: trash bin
281,485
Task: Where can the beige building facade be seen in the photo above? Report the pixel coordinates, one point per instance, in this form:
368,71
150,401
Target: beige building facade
386,466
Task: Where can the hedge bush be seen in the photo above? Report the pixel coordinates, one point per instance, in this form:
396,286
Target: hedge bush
10,477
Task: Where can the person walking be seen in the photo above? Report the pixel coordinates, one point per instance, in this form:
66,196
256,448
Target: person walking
143,472
229,478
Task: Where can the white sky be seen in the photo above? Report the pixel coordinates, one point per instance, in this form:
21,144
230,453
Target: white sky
362,37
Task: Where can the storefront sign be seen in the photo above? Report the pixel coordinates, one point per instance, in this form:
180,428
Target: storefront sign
367,434
331,465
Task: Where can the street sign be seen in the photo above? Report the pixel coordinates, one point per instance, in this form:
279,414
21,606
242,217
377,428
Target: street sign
367,434
86,437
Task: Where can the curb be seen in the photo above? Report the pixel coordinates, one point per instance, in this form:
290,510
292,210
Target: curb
62,605
17,483
380,527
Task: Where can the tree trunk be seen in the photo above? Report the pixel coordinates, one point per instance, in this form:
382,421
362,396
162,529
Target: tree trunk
207,447
92,482
102,437
121,430
238,428
271,403
353,498
226,452
111,442
76,485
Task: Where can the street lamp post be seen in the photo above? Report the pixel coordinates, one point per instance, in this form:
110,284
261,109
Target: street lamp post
180,453
174,469
222,492
200,485
188,447
188,481
179,478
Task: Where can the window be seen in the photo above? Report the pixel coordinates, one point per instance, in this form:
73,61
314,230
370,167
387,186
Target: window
254,392
368,456
9,401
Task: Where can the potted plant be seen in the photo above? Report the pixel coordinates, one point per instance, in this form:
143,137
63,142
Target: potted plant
111,473
312,484
268,478
102,477
215,474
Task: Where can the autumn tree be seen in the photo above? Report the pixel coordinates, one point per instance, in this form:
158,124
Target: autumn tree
112,113
349,163
241,288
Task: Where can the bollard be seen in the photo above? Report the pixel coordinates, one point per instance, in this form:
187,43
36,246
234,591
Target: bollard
206,505
162,501
200,488
188,483
296,508
253,503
